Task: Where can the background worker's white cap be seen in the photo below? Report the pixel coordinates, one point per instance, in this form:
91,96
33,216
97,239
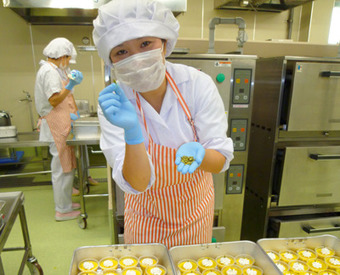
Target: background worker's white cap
122,20
58,47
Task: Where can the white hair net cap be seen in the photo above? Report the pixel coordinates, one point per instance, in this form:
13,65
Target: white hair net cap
58,47
122,20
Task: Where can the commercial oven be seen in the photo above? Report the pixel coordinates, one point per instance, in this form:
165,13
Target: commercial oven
234,78
293,175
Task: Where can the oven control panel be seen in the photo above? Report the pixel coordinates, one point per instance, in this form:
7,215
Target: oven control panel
242,86
238,133
235,179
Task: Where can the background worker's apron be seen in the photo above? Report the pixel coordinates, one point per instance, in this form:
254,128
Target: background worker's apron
59,122
178,209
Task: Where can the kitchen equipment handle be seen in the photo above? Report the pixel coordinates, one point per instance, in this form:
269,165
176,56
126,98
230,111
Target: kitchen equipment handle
323,157
310,229
330,74
96,151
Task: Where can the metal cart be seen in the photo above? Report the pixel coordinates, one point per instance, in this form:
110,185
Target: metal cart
12,205
82,167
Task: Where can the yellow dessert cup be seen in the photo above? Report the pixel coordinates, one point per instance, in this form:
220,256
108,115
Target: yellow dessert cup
146,261
187,265
306,254
273,255
108,263
333,262
289,272
128,261
244,260
254,270
212,272
224,260
88,273
155,270
132,271
298,266
282,266
316,265
323,251
195,272
205,263
328,272
110,272
288,255
228,270
88,265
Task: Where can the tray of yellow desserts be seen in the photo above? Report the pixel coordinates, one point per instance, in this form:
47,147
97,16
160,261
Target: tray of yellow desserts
131,259
226,258
318,255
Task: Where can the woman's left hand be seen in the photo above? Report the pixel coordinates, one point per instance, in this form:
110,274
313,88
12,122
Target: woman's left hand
190,149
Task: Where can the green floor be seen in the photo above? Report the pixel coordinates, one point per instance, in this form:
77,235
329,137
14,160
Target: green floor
53,243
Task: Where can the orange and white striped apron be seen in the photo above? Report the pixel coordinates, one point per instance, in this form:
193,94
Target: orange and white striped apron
59,122
178,209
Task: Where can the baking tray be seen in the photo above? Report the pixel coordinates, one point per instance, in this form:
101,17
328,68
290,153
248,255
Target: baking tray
98,252
214,250
278,244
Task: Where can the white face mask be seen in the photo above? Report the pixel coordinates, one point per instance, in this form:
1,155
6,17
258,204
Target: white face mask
142,72
63,65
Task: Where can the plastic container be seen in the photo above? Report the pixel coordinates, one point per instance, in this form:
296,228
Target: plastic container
108,263
224,260
298,266
128,262
88,265
155,270
273,255
288,255
333,262
132,271
146,261
187,265
324,251
244,260
212,272
316,265
282,266
231,270
254,270
205,263
306,254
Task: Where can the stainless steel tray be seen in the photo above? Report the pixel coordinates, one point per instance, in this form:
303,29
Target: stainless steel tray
99,252
277,244
213,250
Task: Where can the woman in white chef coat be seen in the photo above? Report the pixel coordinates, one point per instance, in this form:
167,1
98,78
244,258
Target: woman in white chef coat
56,106
157,113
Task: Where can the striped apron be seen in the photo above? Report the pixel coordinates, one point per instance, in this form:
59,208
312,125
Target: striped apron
178,209
59,122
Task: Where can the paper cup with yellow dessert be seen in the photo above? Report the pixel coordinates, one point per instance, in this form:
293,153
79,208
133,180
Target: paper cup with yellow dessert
231,270
132,271
128,261
288,255
187,265
273,255
298,266
146,261
110,272
205,263
333,262
253,270
224,260
88,265
306,254
212,272
108,263
282,266
328,272
244,260
155,270
316,265
323,251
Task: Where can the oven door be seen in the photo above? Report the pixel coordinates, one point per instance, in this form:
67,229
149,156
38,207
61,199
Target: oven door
284,227
315,97
309,175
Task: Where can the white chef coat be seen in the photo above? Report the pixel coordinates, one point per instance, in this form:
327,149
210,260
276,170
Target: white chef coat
170,127
48,81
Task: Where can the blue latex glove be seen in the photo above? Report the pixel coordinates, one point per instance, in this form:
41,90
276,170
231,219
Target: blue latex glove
190,149
75,116
75,78
120,112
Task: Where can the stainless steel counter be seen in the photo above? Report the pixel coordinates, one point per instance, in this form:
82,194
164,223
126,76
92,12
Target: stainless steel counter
24,139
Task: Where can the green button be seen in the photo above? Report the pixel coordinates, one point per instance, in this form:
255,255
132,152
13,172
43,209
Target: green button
220,78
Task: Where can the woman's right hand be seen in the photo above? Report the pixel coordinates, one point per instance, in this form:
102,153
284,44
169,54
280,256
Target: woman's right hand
119,111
